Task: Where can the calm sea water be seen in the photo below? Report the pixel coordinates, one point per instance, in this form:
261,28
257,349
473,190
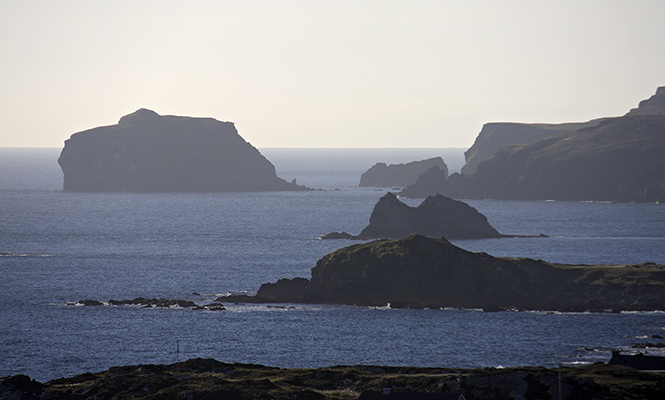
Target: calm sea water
70,246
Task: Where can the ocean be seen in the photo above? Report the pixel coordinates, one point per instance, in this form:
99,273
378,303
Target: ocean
61,247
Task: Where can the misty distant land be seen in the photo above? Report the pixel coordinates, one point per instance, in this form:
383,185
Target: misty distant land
607,159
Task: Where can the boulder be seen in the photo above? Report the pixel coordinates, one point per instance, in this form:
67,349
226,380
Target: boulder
399,175
147,152
338,235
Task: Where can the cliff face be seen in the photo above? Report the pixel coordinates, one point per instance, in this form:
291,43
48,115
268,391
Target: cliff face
620,159
496,135
437,216
425,272
382,175
146,152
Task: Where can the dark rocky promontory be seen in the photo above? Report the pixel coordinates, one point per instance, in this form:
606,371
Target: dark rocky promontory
399,175
421,272
606,159
147,152
212,379
494,136
620,159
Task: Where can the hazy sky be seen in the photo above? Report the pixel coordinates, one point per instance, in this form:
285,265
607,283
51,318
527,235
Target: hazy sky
336,73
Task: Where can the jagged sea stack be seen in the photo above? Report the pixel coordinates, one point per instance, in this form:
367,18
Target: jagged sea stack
147,152
436,216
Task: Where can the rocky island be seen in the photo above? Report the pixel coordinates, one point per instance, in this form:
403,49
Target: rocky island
399,175
421,272
211,379
436,216
148,152
608,159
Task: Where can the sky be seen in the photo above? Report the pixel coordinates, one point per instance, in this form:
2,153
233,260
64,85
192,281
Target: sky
336,73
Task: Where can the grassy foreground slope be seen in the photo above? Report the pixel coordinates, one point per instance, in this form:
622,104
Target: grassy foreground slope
210,379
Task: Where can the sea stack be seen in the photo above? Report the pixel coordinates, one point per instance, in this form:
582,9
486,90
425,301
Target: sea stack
148,152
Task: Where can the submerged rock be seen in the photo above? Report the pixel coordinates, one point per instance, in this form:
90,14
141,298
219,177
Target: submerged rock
147,152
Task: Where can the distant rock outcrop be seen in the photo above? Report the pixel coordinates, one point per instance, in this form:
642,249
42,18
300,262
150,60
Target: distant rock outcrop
436,216
399,175
146,152
421,272
431,182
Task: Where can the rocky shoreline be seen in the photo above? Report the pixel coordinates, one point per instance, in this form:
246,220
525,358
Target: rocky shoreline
210,379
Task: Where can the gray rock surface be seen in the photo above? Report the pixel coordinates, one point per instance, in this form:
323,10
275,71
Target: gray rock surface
147,152
653,105
399,175
496,135
422,272
436,216
620,159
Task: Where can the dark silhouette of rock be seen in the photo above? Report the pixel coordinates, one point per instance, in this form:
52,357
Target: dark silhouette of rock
284,290
431,182
338,235
146,152
210,307
421,272
638,361
89,302
159,303
620,159
653,105
436,216
393,175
